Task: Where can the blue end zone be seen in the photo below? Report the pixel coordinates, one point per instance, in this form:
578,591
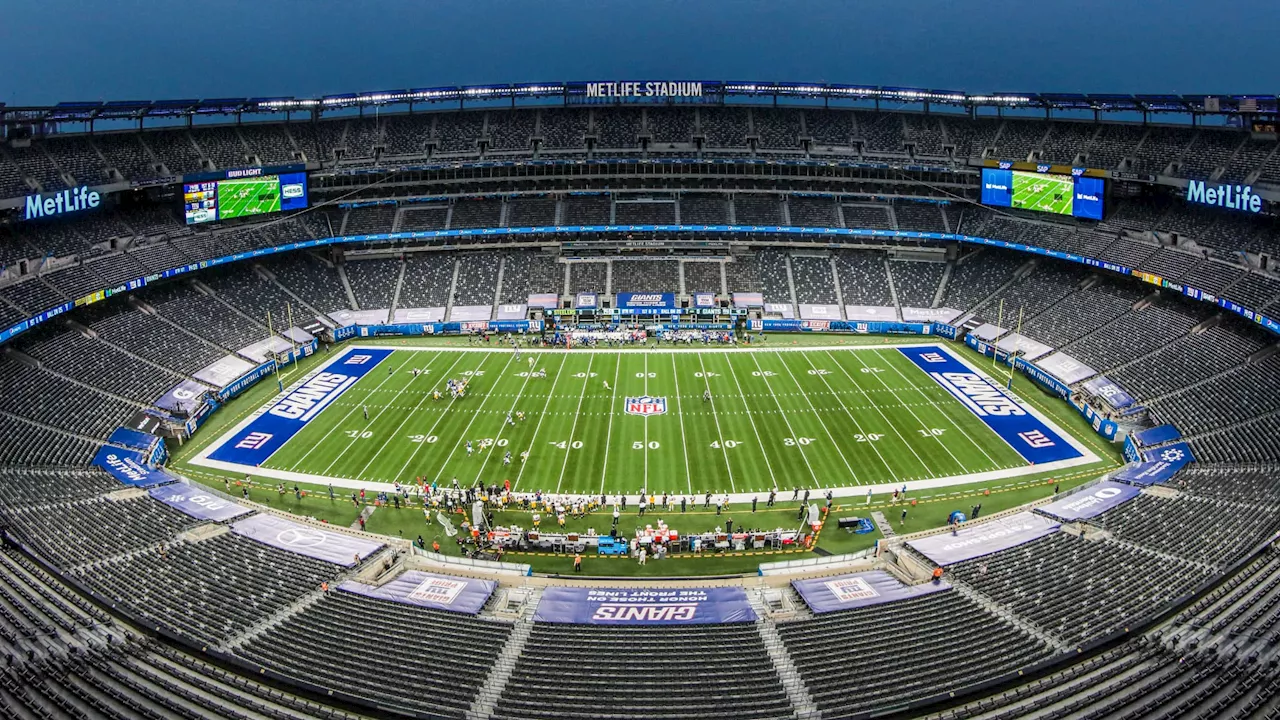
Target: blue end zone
993,405
267,433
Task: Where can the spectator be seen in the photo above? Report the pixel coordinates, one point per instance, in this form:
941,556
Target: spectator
937,576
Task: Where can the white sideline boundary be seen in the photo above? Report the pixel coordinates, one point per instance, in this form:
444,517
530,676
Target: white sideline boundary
1086,456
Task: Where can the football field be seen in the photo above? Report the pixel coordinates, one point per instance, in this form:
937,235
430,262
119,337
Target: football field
1046,193
250,196
683,421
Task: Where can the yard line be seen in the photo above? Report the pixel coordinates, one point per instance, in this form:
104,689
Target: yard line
923,465
684,443
783,413
414,454
852,417
609,433
645,422
568,448
536,428
822,422
958,425
720,435
474,415
923,426
344,417
752,420
370,422
498,436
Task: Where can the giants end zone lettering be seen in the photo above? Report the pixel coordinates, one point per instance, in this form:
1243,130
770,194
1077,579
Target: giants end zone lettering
650,613
253,443
1003,413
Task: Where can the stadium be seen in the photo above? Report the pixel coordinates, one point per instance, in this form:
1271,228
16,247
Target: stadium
641,399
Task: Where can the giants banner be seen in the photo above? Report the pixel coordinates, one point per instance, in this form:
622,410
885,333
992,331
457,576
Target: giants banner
859,590
424,589
649,301
637,606
1066,368
704,300
1091,501
986,538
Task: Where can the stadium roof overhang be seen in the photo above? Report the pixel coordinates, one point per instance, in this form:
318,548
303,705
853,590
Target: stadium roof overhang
642,92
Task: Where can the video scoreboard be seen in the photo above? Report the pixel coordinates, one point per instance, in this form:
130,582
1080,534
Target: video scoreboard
241,193
1072,194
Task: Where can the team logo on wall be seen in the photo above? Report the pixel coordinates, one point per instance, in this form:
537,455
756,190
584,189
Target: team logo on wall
646,405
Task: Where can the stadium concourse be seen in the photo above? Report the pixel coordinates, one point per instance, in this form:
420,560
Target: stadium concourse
845,328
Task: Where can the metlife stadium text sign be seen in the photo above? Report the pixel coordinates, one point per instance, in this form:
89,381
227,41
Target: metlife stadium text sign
633,89
1231,197
58,204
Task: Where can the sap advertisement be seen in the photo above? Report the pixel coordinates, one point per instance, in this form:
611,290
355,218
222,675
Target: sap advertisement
1077,196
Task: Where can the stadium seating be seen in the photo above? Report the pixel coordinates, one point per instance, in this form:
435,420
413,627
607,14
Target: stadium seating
373,282
525,273
477,280
398,656
703,209
863,660
653,672
588,276
863,278
703,276
646,275
814,283
210,590
743,274
916,283
774,276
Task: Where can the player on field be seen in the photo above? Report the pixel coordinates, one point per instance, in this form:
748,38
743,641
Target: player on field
510,422
606,385
524,456
435,395
706,396
506,459
520,415
468,452
365,408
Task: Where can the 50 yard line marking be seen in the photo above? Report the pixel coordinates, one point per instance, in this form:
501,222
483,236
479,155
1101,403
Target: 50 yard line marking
350,412
569,445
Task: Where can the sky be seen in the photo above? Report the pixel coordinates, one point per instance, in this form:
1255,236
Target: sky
74,50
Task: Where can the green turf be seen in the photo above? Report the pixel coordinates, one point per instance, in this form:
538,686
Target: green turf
1046,193
248,196
931,509
776,419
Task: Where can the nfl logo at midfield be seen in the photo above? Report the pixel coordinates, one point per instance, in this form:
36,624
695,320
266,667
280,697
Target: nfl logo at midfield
646,405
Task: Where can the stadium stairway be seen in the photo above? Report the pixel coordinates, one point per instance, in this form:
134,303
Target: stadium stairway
1006,613
893,290
792,683
496,682
941,292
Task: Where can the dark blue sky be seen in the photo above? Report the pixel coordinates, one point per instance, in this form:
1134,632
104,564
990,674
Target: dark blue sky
55,50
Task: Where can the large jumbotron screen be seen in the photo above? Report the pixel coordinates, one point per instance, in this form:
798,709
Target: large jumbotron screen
227,199
1059,194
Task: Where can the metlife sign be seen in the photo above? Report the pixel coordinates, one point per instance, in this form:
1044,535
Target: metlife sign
66,202
1231,197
